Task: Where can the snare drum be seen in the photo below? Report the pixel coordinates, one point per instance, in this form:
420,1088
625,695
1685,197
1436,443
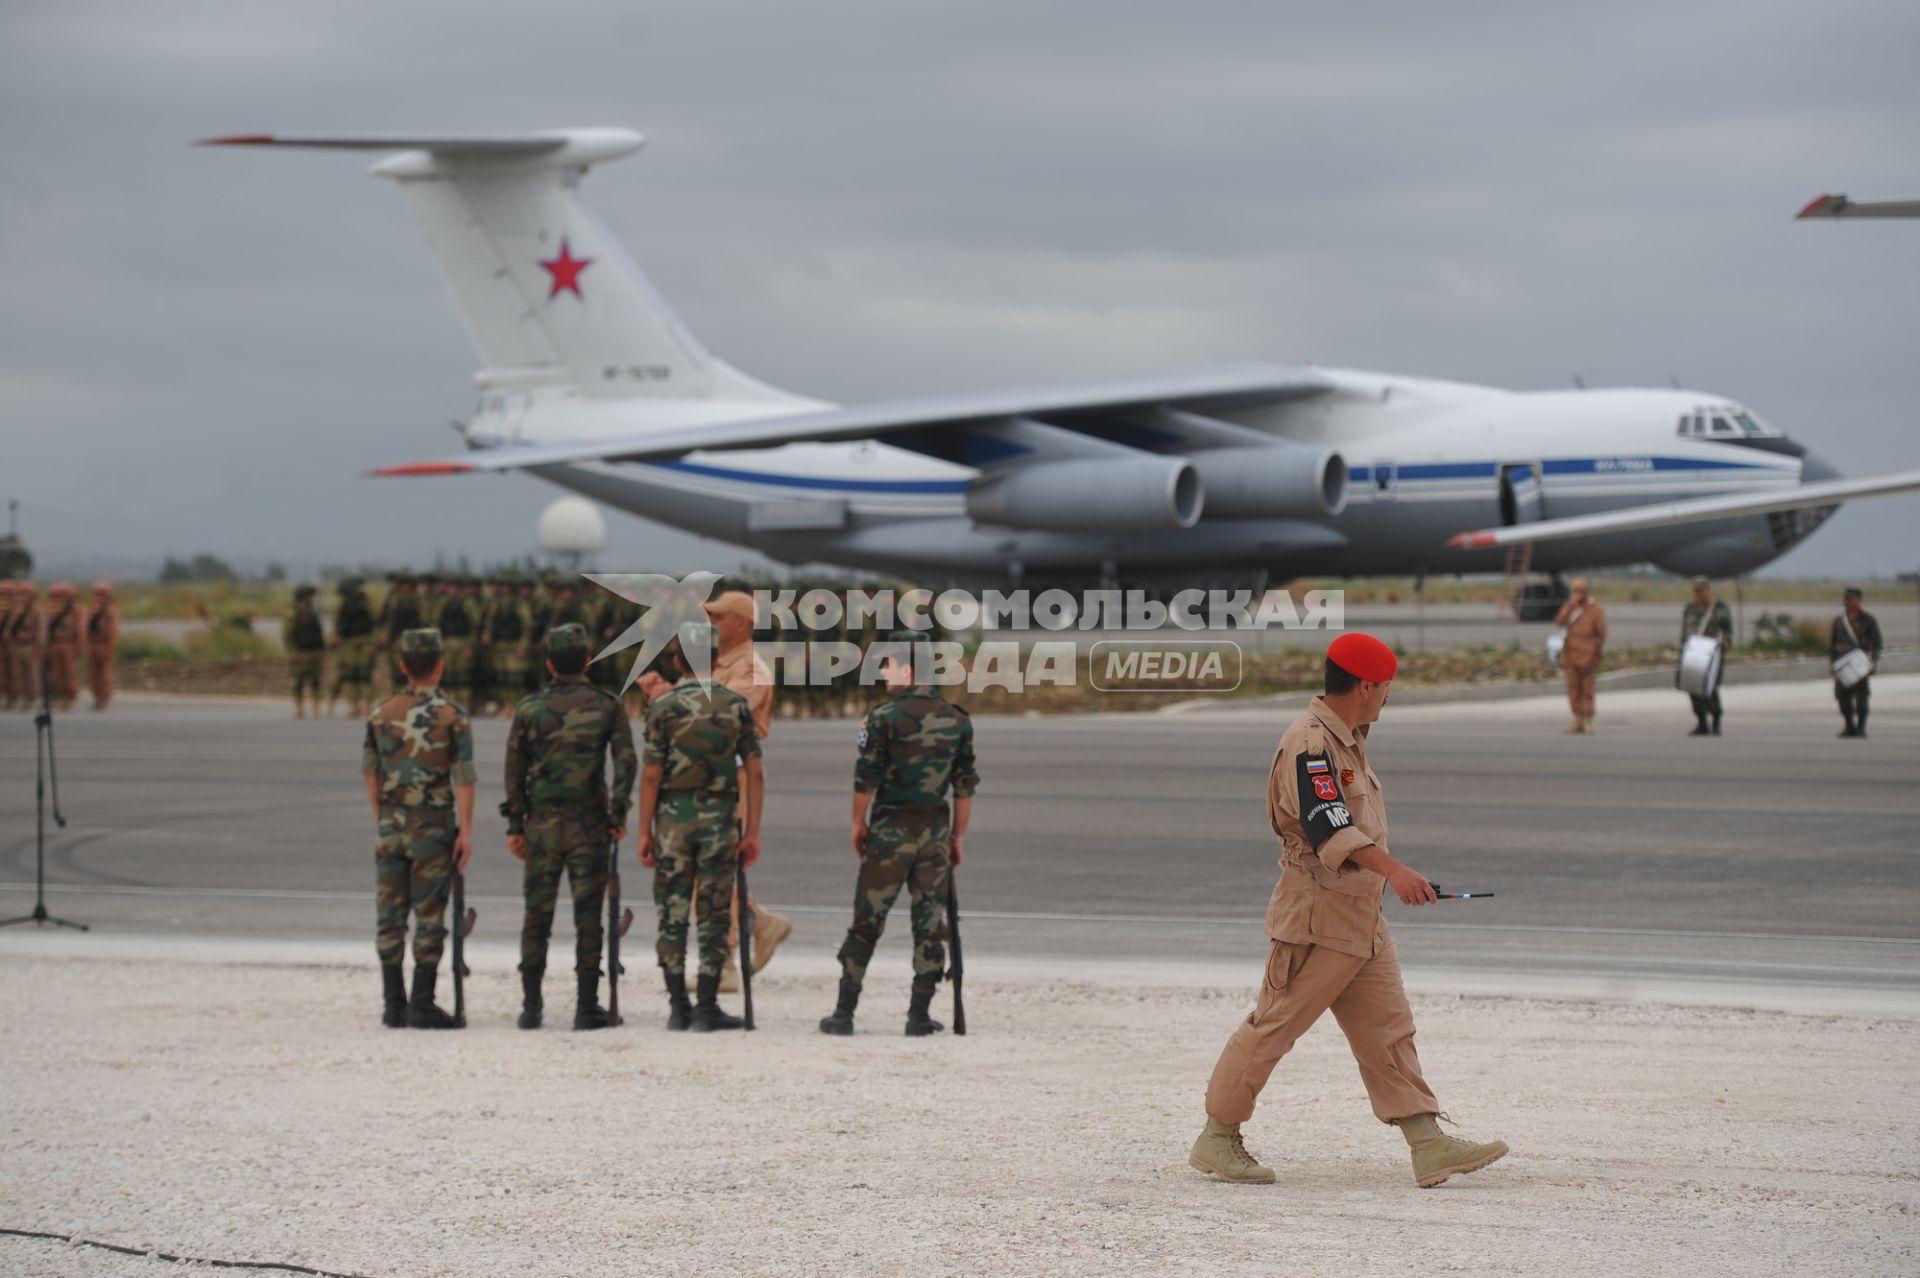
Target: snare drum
1700,665
1852,668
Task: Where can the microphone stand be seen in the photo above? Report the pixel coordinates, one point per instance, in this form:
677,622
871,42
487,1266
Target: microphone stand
44,768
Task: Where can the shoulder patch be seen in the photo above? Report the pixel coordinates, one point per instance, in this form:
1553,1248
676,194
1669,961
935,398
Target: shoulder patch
1323,810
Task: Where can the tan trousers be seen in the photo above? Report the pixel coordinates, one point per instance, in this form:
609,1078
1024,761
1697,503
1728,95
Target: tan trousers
1368,999
26,676
100,672
63,673
1580,690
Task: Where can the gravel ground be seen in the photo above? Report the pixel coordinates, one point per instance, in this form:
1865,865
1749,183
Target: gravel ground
251,1111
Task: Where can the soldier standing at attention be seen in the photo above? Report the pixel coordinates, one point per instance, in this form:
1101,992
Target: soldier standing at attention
913,748
1330,947
690,828
353,624
64,631
418,766
26,633
509,632
457,625
1855,627
560,816
1586,625
306,643
399,613
7,589
103,642
1706,616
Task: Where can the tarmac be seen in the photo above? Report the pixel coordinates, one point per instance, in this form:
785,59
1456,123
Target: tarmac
1771,867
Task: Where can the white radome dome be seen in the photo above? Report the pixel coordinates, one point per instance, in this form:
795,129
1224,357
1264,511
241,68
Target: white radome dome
571,526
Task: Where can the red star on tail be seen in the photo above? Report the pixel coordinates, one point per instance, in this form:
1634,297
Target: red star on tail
565,271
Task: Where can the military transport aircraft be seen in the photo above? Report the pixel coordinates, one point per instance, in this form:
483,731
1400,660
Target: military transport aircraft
1236,473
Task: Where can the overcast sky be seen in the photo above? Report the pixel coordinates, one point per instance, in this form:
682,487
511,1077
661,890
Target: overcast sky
201,349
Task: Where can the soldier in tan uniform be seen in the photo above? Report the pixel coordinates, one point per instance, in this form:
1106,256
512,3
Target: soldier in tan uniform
1330,945
7,587
61,644
1586,625
103,641
26,633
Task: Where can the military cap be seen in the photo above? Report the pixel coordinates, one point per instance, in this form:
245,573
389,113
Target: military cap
1853,592
570,637
1699,582
304,592
398,578
730,603
420,641
1363,656
350,584
61,588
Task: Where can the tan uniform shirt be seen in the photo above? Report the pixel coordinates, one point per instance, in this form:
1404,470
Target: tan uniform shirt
1321,899
741,670
1586,625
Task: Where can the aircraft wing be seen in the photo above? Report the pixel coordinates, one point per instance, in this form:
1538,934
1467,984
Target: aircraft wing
1841,206
1826,492
1087,406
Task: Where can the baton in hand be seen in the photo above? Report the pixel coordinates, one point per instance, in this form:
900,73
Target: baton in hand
1456,896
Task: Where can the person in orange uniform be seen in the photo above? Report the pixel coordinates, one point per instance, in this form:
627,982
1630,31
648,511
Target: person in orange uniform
1330,947
7,587
66,622
26,634
103,640
1585,621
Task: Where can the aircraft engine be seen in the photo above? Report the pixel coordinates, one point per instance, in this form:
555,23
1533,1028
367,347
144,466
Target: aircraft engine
1281,481
1108,494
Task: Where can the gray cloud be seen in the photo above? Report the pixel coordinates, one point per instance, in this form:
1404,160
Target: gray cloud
204,349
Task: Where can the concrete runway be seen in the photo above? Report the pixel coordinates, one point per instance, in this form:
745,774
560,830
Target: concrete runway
1774,859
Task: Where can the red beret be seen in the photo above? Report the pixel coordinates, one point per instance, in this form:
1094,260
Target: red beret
1363,656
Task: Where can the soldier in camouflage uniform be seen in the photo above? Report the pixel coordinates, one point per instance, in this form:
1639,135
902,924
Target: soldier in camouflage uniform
509,632
1706,616
305,641
353,624
418,766
914,747
455,620
1855,627
399,613
690,829
561,816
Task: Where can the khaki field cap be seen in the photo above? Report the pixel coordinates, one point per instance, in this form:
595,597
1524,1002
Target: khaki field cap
420,641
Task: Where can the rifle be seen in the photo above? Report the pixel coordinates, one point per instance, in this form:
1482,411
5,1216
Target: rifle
956,970
617,924
746,943
463,921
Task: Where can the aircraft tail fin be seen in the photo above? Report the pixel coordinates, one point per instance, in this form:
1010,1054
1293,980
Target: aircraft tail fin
546,292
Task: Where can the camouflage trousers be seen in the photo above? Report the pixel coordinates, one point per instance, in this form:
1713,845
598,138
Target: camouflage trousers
305,669
457,675
574,841
353,667
508,668
413,872
905,848
698,841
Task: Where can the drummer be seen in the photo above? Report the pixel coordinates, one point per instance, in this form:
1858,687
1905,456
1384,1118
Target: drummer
1706,616
1854,629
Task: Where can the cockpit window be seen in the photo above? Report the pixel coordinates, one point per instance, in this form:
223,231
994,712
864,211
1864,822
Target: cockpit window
1721,426
1751,426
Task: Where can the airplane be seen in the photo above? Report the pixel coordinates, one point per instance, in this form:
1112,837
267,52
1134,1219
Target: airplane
1234,475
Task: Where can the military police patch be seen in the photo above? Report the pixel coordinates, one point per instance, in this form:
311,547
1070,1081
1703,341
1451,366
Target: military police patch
861,740
1323,812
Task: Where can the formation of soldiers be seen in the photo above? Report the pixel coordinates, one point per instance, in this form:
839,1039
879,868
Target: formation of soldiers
701,790
46,644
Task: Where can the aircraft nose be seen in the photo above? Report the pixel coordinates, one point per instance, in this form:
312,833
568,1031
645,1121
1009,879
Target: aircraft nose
1813,469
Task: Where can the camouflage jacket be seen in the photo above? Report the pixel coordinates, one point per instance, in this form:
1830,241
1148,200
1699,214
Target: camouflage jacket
420,746
1865,635
696,737
913,746
458,618
401,611
556,752
301,631
354,620
1719,622
509,621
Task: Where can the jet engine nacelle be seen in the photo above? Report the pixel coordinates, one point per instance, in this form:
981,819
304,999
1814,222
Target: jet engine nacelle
1083,494
1281,481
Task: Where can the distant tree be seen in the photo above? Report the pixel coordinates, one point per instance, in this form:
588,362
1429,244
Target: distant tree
202,567
275,572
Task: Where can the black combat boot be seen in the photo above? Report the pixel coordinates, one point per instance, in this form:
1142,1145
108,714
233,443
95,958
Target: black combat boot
707,1015
587,1012
1849,730
531,1004
394,982
1862,730
679,1007
1716,725
1700,728
422,1012
919,1024
841,1022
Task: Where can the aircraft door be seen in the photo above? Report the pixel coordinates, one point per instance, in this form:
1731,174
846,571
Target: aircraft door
1520,493
514,414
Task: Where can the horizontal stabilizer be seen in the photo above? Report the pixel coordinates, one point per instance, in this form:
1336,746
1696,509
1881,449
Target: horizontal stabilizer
1841,206
1827,492
476,144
